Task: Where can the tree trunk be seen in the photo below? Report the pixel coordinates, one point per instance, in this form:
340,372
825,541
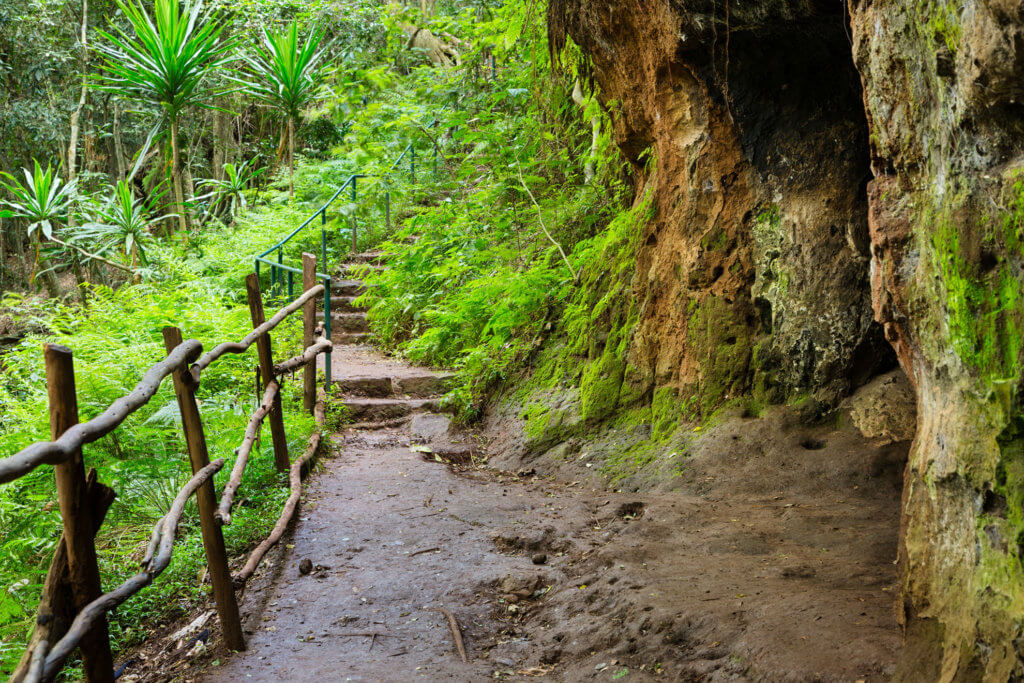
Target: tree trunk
22,257
81,281
223,142
76,118
291,156
179,199
282,146
119,156
189,189
49,277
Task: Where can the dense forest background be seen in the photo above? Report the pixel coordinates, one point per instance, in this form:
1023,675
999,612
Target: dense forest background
515,181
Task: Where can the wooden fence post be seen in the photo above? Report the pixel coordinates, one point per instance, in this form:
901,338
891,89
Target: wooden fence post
308,329
213,539
266,358
73,496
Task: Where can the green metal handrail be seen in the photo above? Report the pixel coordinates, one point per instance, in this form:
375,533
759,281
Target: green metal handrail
278,270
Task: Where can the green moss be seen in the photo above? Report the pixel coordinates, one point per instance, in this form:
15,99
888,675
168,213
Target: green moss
545,426
943,21
985,310
714,240
600,385
666,410
629,461
721,341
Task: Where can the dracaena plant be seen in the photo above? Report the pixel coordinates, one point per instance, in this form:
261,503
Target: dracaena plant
229,193
287,73
165,59
122,223
43,202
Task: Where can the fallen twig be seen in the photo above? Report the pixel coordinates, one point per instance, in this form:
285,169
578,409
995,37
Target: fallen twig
456,633
420,552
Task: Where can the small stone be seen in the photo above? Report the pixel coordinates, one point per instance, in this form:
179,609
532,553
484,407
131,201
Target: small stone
306,566
540,558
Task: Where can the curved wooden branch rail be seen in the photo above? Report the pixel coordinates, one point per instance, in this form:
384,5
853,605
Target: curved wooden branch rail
306,357
250,339
83,622
35,669
185,361
227,500
295,483
54,452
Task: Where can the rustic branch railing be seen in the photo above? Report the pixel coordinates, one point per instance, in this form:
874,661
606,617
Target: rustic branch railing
59,450
72,586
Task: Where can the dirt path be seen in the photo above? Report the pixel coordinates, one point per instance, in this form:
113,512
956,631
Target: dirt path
782,575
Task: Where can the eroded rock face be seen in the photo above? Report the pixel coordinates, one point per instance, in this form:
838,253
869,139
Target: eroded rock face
753,275
943,84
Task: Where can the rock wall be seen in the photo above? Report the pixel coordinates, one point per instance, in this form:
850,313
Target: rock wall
943,83
817,167
753,274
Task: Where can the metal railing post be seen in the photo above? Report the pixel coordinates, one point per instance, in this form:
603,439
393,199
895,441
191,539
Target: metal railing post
355,199
327,331
280,273
323,249
308,330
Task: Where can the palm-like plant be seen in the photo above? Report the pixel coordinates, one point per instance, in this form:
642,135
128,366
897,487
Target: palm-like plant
230,192
165,63
122,223
288,75
43,201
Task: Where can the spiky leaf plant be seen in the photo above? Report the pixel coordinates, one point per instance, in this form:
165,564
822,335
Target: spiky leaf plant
165,59
287,74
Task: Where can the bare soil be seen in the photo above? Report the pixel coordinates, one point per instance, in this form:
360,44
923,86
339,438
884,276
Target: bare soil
774,562
769,557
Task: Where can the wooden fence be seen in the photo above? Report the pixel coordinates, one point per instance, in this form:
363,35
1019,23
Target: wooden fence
72,611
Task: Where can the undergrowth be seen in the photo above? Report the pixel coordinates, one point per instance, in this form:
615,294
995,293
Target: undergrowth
476,279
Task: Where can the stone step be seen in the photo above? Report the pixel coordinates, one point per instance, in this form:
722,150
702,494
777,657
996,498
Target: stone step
360,267
368,387
379,409
347,287
351,338
345,304
346,322
425,385
365,257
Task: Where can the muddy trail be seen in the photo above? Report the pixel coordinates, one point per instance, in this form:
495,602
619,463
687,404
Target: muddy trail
773,561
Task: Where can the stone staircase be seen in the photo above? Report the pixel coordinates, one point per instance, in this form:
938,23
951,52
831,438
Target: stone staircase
376,389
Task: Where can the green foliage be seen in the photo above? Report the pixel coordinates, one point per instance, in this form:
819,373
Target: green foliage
200,290
287,72
229,193
121,223
42,200
168,59
472,281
